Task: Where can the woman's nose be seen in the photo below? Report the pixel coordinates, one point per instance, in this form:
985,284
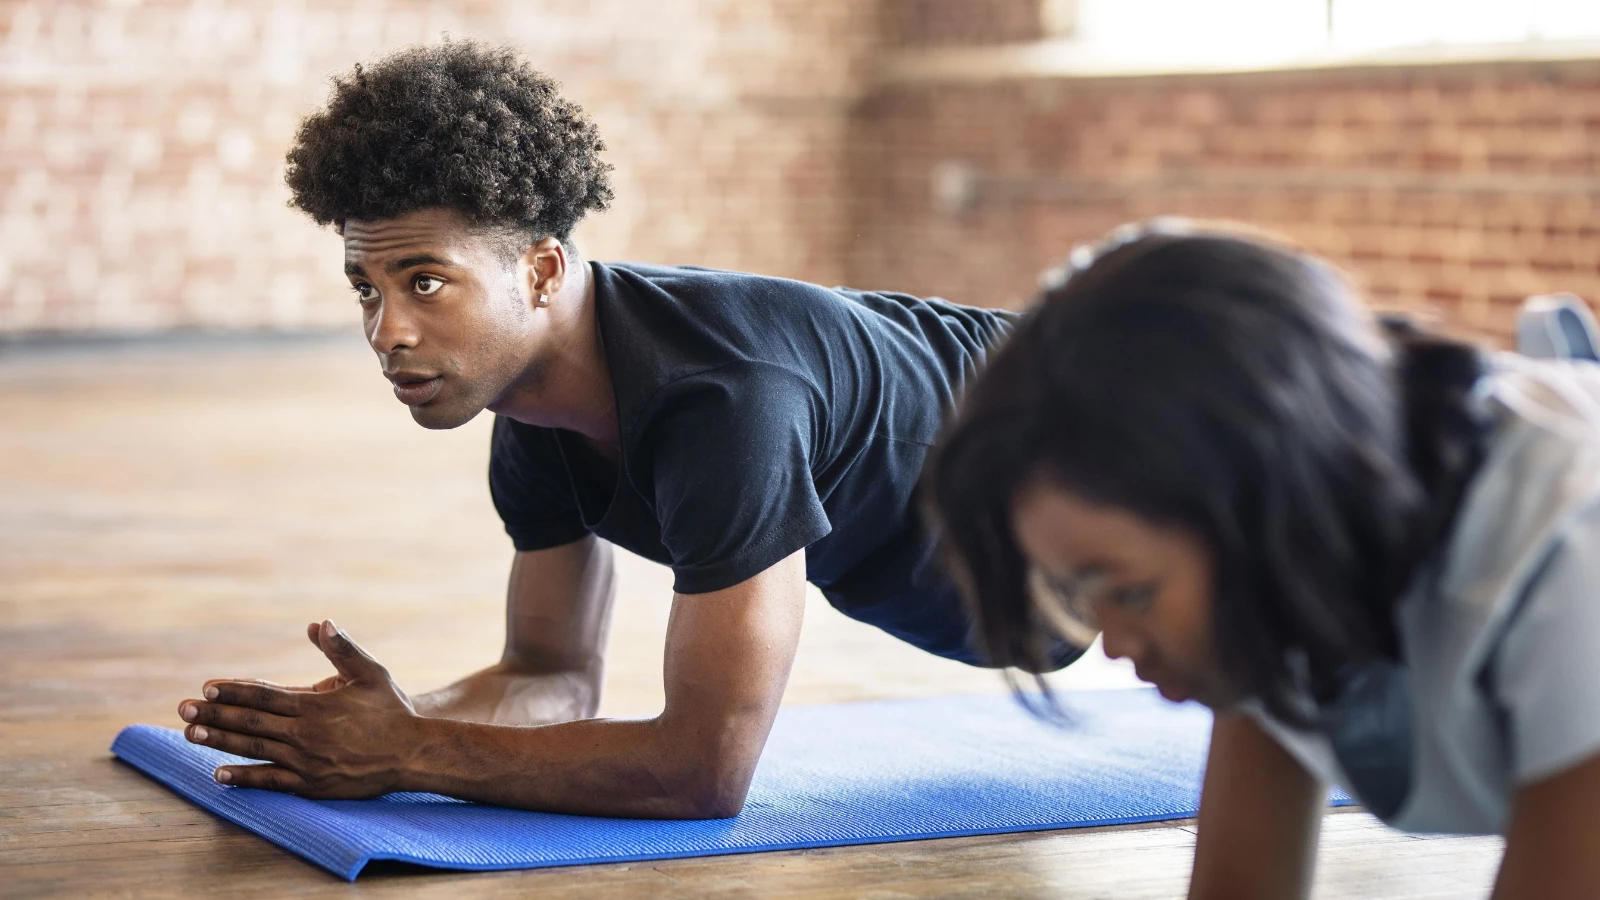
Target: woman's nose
1120,642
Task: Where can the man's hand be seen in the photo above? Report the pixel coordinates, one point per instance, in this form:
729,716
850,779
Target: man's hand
345,737
356,735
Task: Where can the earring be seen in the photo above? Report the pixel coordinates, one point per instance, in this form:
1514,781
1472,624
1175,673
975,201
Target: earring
544,300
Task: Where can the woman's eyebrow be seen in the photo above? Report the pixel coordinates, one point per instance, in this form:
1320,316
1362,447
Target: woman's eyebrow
1081,578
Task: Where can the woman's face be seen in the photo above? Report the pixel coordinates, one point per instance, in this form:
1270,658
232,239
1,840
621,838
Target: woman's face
1146,588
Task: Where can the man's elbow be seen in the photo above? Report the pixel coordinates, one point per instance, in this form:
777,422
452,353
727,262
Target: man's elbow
703,779
713,790
722,805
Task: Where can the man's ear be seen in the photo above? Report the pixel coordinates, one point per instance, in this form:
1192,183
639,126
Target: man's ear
546,266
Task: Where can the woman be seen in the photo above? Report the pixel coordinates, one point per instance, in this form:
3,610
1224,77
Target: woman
1375,554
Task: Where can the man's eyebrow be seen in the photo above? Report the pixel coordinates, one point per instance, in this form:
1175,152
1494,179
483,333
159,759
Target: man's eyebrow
401,264
417,259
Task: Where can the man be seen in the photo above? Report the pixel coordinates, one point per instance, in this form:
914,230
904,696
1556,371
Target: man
752,433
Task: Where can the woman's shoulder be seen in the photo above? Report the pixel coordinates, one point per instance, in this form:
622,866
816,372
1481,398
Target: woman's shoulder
1512,604
1558,401
1540,472
1517,622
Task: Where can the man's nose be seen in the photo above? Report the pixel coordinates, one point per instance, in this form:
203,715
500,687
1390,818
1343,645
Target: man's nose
393,328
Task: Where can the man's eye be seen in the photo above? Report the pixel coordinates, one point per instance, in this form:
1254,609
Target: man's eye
427,284
364,291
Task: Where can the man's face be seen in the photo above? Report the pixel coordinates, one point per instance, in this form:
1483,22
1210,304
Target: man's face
444,308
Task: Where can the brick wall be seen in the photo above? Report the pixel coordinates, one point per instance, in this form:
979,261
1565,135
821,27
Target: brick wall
942,23
141,143
141,149
1454,191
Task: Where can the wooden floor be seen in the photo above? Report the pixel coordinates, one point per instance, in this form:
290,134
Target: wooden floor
173,512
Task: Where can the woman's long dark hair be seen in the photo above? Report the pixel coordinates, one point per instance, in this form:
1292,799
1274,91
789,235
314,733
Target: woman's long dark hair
1239,390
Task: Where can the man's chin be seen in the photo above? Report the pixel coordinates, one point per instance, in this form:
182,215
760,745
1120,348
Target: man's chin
443,418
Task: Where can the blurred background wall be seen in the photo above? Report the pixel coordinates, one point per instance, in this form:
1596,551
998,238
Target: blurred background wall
1453,188
142,143
952,147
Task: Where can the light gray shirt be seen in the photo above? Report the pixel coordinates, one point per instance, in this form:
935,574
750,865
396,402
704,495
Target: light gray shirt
1500,678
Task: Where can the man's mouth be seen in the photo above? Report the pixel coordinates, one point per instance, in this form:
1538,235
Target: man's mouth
415,389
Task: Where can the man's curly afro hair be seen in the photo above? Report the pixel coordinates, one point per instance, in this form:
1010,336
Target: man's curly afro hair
458,125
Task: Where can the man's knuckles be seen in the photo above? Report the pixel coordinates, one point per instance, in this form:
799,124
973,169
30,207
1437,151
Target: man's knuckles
212,736
258,696
234,718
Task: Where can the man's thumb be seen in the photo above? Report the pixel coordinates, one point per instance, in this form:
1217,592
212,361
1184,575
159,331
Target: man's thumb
345,654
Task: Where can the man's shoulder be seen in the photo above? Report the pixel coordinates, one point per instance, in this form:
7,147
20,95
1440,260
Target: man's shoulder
770,301
703,279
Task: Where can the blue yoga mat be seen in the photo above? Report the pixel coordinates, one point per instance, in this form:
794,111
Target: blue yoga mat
857,773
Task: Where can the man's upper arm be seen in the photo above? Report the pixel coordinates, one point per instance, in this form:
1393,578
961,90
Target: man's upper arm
727,662
558,606
727,461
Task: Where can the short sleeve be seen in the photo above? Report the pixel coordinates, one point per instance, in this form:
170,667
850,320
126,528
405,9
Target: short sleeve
1546,669
531,490
729,456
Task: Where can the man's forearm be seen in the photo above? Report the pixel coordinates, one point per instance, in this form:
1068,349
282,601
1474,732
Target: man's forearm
598,767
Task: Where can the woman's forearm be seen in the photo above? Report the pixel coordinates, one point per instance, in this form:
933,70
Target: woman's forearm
1260,816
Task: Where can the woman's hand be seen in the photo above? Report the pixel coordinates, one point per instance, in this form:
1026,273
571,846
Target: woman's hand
349,736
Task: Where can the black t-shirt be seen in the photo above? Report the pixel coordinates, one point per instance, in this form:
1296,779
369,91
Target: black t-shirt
759,416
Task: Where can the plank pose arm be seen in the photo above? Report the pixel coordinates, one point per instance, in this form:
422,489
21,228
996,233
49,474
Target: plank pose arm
1261,812
727,659
558,612
1551,840
1260,817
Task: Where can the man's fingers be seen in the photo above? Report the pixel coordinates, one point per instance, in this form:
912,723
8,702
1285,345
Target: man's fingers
256,695
345,654
296,688
267,777
250,746
238,719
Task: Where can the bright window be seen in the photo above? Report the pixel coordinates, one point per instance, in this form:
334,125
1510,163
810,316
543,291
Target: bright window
1160,33
1180,34
1383,24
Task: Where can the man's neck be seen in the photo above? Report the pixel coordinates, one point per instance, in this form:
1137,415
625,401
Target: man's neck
569,385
